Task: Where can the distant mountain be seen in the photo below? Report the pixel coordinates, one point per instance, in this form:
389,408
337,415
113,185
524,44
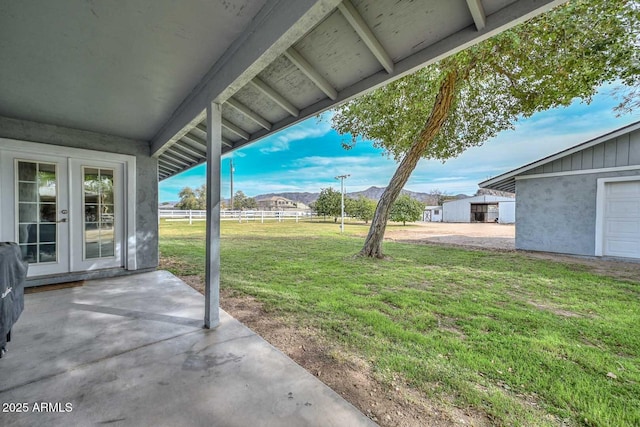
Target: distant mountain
305,198
373,193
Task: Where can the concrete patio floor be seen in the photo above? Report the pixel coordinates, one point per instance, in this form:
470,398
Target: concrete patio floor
131,351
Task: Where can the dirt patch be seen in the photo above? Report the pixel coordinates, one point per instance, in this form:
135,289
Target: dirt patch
501,237
387,405
485,236
554,310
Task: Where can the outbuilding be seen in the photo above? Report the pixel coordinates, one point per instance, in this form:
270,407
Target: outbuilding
432,214
486,208
584,200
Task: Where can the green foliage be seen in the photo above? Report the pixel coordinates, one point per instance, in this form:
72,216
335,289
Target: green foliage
405,209
546,62
521,340
329,203
193,199
242,202
362,208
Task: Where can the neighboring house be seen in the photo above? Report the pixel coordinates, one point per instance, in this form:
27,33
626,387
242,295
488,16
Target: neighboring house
432,214
584,200
277,203
480,209
99,103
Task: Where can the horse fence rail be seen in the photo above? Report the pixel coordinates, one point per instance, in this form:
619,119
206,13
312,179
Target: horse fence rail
240,216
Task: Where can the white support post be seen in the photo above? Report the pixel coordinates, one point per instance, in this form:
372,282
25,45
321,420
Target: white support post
212,242
190,218
262,217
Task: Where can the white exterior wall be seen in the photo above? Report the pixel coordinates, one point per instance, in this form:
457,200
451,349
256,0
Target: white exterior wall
457,211
507,212
430,215
460,210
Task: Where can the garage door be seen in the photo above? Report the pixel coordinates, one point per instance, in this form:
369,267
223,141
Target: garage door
622,219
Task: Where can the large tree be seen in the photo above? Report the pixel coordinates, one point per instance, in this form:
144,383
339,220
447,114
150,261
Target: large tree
329,202
243,202
464,99
362,208
191,199
406,209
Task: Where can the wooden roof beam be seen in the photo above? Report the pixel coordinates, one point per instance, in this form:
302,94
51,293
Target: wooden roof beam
191,148
169,164
360,26
235,129
167,155
313,74
477,11
252,115
201,128
275,96
176,151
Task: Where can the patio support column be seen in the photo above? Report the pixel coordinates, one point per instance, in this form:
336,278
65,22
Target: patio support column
212,268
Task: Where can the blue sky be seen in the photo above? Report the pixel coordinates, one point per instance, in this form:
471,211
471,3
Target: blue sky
307,156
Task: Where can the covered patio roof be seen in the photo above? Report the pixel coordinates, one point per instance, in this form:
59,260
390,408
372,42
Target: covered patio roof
147,69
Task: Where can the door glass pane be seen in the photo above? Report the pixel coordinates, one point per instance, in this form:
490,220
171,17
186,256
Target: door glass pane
28,233
27,171
99,218
28,192
28,212
47,212
37,187
48,232
47,253
29,253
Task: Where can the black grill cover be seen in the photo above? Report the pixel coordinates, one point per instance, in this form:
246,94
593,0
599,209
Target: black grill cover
13,272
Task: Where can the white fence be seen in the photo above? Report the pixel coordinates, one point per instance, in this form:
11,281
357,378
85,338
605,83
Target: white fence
240,216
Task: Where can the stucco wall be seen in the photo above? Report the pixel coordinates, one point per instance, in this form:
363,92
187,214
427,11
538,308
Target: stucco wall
146,173
558,214
507,212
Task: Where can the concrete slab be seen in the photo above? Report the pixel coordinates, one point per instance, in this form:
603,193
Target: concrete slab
131,351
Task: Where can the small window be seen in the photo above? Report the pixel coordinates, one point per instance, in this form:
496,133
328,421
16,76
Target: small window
436,211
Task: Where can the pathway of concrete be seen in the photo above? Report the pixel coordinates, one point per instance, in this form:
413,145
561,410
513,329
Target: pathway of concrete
131,351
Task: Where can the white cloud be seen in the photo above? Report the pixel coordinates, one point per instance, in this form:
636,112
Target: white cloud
275,146
299,132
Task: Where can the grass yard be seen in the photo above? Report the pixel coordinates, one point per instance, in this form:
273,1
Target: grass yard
525,341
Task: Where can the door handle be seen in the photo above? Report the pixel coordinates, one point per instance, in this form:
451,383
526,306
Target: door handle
62,220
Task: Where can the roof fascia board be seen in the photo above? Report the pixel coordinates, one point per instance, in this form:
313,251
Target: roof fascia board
569,151
578,172
278,25
497,22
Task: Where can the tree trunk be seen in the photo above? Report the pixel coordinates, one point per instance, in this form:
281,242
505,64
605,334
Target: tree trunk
444,100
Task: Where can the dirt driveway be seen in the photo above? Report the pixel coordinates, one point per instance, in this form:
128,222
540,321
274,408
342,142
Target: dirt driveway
502,237
487,236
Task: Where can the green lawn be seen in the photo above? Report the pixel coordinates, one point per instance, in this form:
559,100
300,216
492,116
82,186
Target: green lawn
529,342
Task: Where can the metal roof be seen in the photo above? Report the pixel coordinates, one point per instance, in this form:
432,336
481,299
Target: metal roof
147,69
507,181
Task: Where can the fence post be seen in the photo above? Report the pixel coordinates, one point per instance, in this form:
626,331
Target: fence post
262,217
296,217
190,217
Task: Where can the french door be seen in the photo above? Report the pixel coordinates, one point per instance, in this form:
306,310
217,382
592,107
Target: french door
66,214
